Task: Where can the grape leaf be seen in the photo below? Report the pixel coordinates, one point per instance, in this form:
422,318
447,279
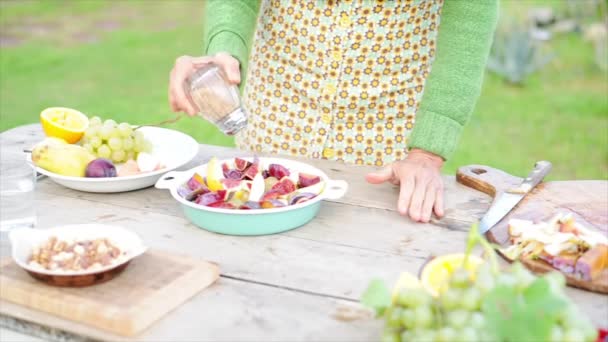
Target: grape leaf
510,313
377,296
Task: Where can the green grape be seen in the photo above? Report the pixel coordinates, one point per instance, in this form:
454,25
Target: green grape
89,147
484,282
523,277
138,135
408,318
131,155
446,334
95,141
105,132
477,320
556,334
91,131
424,335
116,133
423,317
104,151
407,335
471,299
115,143
125,129
573,335
450,299
110,123
556,280
127,143
393,318
95,121
460,278
467,334
413,298
118,156
457,318
390,336
148,146
506,279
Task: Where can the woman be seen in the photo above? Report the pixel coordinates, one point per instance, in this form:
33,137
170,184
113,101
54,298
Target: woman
352,81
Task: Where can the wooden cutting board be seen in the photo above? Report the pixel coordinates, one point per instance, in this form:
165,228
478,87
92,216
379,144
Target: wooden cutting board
151,286
587,201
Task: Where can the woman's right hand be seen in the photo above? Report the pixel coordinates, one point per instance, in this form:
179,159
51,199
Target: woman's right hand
185,66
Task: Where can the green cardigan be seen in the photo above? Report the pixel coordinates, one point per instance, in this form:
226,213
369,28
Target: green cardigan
451,90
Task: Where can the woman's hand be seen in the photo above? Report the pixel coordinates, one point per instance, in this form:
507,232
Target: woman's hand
185,66
419,177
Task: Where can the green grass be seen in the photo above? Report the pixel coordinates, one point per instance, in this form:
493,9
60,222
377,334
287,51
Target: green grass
120,70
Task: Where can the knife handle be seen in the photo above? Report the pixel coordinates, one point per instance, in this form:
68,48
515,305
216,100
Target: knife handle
540,171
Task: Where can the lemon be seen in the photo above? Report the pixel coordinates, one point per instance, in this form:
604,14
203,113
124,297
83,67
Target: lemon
405,281
437,272
64,123
214,175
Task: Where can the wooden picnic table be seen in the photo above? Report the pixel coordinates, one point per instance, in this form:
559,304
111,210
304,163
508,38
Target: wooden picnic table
288,286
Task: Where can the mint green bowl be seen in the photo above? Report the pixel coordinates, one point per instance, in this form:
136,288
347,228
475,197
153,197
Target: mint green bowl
256,221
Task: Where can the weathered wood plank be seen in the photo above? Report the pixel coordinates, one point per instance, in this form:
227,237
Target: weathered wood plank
281,260
233,310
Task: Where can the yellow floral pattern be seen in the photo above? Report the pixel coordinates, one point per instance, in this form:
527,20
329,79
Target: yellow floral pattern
340,80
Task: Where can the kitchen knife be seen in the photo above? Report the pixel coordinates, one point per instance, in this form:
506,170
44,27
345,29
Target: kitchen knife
508,199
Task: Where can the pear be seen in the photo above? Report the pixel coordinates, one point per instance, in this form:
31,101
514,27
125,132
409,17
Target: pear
57,156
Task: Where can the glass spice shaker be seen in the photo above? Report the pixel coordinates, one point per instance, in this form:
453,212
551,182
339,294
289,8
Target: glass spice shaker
216,99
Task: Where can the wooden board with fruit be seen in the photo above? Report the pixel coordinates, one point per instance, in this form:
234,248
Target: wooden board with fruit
558,226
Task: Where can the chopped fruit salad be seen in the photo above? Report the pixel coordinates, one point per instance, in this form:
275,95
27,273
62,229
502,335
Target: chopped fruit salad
243,184
561,242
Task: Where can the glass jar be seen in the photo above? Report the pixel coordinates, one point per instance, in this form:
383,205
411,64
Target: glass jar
216,99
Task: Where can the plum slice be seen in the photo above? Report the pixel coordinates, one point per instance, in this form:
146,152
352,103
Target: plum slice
211,197
306,180
301,198
278,171
250,205
272,203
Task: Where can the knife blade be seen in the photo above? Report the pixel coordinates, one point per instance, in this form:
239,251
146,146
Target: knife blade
509,199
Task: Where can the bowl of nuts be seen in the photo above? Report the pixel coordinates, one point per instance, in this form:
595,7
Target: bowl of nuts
75,255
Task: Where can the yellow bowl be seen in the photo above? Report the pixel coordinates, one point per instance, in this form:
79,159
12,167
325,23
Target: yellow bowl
65,123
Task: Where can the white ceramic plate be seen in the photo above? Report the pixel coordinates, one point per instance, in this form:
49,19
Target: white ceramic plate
174,149
23,241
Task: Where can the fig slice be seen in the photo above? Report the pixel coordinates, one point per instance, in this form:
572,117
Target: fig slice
252,171
196,181
230,183
225,169
278,171
283,187
233,174
222,204
241,164
306,180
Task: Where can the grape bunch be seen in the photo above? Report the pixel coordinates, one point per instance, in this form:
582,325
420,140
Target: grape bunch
467,310
117,142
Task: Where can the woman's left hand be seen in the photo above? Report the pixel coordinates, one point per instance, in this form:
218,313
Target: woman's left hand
421,186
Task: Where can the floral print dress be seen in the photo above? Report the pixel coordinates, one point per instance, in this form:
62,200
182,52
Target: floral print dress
339,80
